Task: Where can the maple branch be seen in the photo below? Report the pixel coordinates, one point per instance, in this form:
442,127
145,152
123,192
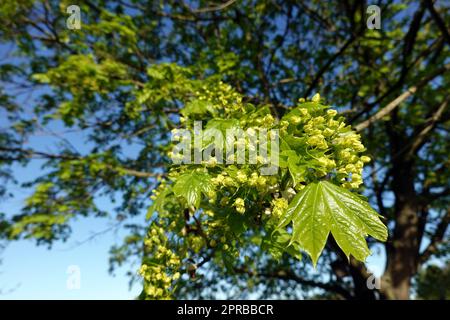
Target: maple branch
290,276
28,153
436,239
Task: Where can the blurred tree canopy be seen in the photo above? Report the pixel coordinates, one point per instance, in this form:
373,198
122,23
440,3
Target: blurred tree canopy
121,80
434,283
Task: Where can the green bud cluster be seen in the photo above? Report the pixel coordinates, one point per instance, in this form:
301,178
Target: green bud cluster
160,271
332,148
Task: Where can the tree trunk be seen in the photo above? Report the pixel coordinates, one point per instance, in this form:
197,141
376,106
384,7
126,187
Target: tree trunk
403,247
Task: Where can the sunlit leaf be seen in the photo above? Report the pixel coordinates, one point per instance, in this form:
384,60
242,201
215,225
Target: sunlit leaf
191,185
321,208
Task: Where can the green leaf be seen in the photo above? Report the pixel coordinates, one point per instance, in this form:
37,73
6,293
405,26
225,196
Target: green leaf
278,242
321,208
155,73
191,185
297,172
158,203
222,124
229,262
313,106
197,107
290,159
236,223
295,143
41,77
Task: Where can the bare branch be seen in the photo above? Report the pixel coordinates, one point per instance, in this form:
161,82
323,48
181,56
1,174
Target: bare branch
397,101
28,153
288,275
327,65
436,239
438,19
212,9
431,123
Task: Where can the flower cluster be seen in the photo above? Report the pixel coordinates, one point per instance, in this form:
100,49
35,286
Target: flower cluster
229,181
332,147
279,205
239,203
160,272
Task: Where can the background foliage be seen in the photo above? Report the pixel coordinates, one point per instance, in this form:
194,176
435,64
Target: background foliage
122,79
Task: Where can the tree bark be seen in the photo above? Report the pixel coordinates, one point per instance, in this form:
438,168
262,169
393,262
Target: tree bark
403,247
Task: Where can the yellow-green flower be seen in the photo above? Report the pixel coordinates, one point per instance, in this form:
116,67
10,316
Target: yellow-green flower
331,113
365,159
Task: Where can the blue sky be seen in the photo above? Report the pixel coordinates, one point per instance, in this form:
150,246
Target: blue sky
31,272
